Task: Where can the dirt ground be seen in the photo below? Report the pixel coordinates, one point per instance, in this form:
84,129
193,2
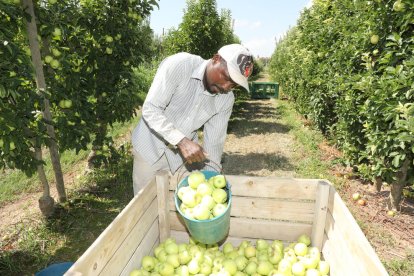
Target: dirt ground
259,144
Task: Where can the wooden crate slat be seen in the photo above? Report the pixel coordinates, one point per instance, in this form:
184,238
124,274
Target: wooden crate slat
270,187
144,248
335,259
116,264
265,208
255,228
321,208
103,248
162,196
342,223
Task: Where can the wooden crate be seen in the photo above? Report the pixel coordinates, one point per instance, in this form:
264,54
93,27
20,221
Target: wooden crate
263,208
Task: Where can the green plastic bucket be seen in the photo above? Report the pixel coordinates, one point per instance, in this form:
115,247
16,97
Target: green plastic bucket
208,231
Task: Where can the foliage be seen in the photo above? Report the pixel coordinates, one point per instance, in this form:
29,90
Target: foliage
202,31
349,67
20,123
90,49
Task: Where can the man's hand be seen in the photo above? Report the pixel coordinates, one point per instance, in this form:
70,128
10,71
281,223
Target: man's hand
191,151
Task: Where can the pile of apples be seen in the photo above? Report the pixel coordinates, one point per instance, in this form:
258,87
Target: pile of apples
261,258
203,198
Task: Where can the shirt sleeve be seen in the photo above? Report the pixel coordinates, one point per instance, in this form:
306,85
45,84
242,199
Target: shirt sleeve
214,134
162,89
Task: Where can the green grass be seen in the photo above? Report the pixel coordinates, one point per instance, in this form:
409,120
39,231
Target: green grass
308,160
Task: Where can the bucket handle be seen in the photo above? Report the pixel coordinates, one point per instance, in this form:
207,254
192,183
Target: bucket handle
180,175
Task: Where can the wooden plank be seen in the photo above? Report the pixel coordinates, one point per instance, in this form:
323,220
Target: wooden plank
119,260
321,208
336,262
265,208
162,181
98,254
147,244
343,225
270,187
255,228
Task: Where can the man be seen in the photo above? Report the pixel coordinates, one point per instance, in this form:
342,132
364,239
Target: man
187,93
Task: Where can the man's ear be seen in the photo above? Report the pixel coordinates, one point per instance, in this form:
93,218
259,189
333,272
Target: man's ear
216,58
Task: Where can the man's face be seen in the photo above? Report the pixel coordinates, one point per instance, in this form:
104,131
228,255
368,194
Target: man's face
217,77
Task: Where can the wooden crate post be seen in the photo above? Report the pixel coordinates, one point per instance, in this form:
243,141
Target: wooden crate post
163,180
321,208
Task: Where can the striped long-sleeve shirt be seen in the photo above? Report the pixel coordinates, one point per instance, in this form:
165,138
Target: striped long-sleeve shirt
177,105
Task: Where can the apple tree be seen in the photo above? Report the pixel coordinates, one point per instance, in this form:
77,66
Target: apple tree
202,30
90,49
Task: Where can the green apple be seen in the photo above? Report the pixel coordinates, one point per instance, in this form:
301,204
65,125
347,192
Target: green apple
219,209
241,262
356,196
173,260
166,269
48,59
204,189
55,64
300,249
227,248
219,181
277,245
264,267
230,266
219,196
298,269
201,212
196,178
374,39
323,267
250,251
158,250
148,263
57,32
108,38
68,103
12,145
56,52
314,252
193,266
290,255
205,268
312,272
184,257
261,245
275,257
171,248
398,6
135,272
285,267
208,201
181,191
182,271
251,268
309,262
304,239
108,50
189,198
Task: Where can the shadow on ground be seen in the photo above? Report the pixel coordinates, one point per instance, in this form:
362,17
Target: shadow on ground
246,164
255,117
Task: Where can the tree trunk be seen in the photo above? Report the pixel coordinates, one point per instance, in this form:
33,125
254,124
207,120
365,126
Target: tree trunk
397,186
41,85
46,202
378,183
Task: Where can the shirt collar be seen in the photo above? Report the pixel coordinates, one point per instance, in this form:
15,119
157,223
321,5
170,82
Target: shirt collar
199,74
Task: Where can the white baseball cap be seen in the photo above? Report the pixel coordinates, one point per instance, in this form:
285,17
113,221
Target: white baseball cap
239,63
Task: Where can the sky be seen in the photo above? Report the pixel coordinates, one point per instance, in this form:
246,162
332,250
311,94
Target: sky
258,24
